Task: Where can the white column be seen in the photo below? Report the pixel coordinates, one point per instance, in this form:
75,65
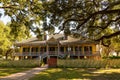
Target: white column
21,50
30,50
73,49
78,52
69,51
89,49
39,50
78,49
47,49
58,48
83,50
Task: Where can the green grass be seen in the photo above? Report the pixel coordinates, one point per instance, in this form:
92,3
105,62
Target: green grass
78,74
8,71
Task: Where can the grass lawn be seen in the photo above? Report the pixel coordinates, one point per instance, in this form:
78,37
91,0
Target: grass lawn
78,74
8,71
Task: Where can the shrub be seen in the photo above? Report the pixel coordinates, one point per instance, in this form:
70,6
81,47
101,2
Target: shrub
112,57
20,63
88,63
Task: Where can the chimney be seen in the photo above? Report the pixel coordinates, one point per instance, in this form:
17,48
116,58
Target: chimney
44,36
65,37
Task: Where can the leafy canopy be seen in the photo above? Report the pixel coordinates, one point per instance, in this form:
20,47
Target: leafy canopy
88,18
4,38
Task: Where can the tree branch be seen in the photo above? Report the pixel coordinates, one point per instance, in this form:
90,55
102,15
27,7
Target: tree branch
106,45
9,6
96,13
110,23
113,4
108,36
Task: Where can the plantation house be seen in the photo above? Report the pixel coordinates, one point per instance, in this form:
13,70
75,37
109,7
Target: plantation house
58,45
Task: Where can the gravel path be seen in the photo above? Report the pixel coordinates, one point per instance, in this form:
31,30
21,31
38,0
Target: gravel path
24,75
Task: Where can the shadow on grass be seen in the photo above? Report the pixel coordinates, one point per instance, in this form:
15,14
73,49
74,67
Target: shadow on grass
8,71
76,74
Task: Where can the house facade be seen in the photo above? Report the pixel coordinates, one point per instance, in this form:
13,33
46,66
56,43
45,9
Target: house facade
58,45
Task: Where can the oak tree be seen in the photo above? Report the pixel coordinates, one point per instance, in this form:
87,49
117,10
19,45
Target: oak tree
88,18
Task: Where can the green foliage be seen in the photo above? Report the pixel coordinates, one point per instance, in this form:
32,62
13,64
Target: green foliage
116,43
11,33
23,14
104,63
112,57
5,42
18,32
19,64
87,18
1,57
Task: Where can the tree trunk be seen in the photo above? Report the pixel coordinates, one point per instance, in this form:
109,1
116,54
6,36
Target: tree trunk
8,52
6,55
117,53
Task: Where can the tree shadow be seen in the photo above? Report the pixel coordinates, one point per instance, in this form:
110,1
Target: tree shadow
75,74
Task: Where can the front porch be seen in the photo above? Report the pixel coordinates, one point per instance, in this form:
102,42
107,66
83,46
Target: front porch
56,49
77,54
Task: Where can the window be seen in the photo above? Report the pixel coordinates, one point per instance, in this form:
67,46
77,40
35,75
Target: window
26,49
34,49
88,49
23,49
76,48
51,48
62,49
80,48
66,48
43,49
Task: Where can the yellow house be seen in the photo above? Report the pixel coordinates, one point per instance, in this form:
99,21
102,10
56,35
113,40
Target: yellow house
58,45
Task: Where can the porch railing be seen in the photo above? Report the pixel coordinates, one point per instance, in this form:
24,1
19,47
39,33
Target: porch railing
28,54
55,53
85,53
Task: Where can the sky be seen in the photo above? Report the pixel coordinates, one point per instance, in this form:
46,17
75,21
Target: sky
4,18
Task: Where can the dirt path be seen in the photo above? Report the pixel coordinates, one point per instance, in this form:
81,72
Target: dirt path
24,75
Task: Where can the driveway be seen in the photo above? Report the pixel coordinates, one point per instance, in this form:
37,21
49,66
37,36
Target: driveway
26,75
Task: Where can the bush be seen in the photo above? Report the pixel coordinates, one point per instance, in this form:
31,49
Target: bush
112,57
88,63
20,63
